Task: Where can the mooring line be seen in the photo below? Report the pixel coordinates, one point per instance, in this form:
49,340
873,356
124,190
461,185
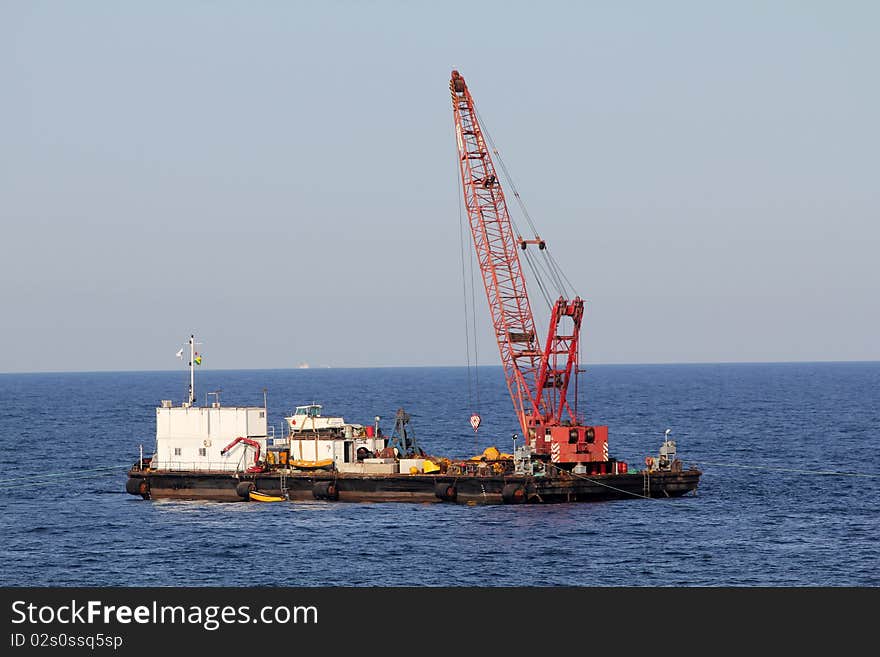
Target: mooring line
48,475
644,497
25,484
813,472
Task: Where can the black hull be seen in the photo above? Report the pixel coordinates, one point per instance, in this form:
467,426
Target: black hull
347,487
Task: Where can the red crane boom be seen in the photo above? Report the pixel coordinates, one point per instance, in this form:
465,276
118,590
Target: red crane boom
256,467
537,379
498,257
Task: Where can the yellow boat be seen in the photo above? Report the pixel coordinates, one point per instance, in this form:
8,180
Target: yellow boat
257,496
310,465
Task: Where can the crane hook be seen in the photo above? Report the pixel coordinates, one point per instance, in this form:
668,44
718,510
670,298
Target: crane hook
475,422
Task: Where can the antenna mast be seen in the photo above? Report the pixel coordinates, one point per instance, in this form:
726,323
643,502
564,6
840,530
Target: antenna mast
192,373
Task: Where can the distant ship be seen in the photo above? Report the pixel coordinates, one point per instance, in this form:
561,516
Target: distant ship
303,366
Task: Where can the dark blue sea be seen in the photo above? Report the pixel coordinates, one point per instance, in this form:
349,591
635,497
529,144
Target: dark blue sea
764,515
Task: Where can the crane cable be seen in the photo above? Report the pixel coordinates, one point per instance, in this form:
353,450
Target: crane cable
474,329
560,270
554,275
549,265
555,271
541,287
472,376
505,171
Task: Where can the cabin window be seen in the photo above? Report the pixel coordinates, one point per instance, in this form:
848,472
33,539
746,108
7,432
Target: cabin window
177,451
203,451
262,413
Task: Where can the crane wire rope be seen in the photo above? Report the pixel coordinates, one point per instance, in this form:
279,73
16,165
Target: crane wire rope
559,269
548,266
556,273
577,384
540,283
474,328
472,375
505,171
552,275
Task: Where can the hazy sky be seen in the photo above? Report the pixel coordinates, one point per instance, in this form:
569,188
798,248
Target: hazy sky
280,178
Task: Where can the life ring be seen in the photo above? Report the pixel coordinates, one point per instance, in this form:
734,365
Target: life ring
649,461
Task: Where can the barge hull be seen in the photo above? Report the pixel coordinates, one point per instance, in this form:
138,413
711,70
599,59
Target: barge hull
347,487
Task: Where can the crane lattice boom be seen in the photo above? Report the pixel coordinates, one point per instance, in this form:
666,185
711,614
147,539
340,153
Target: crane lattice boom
537,378
498,256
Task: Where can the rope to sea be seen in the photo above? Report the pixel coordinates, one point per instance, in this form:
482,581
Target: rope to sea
796,471
70,474
590,479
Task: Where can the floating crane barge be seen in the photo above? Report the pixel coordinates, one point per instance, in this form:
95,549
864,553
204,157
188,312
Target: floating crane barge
366,466
386,474
562,458
464,489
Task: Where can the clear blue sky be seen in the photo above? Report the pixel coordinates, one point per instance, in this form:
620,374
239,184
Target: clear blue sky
280,178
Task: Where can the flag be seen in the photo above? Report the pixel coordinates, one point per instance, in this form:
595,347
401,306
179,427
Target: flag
180,354
198,359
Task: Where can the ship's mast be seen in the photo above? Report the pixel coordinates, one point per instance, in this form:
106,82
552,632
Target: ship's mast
192,373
